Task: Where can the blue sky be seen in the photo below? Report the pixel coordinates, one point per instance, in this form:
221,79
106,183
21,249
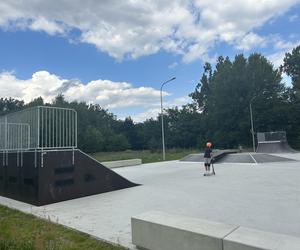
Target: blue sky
117,55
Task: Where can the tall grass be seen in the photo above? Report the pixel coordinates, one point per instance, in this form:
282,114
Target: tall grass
19,231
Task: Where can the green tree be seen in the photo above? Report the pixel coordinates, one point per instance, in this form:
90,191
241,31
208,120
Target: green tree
232,85
184,127
94,140
201,93
8,105
36,102
129,129
291,67
149,133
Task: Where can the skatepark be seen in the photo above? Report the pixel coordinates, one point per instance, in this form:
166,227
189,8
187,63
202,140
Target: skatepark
258,191
264,196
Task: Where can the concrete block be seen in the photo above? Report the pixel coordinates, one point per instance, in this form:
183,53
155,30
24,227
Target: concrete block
122,163
161,231
251,239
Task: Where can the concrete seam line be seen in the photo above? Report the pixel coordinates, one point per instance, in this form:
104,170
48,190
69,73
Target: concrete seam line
253,158
227,235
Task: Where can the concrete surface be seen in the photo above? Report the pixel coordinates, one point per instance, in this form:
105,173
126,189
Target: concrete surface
260,196
253,158
250,239
122,163
157,230
242,158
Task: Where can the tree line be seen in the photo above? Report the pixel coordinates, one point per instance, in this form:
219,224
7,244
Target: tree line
219,111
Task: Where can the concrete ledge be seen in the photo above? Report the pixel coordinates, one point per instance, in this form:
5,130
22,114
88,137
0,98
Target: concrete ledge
218,155
161,231
251,239
123,163
157,230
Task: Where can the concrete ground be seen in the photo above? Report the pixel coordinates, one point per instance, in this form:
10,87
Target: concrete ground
261,196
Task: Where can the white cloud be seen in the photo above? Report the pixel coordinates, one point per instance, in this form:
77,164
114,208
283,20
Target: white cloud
277,58
42,24
143,116
173,65
293,18
130,29
251,40
282,47
155,111
110,95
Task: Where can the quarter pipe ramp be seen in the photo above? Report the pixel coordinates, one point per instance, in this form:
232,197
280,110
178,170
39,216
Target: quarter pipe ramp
273,143
275,147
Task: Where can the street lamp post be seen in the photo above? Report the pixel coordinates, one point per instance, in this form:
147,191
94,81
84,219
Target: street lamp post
252,127
162,118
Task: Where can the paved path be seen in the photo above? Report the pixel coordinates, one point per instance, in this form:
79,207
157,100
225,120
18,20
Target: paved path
261,196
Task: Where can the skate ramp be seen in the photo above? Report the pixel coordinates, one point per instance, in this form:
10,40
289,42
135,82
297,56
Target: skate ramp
218,154
253,158
193,158
276,147
238,158
52,176
273,143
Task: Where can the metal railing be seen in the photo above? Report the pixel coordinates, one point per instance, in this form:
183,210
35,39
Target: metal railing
271,136
16,136
40,127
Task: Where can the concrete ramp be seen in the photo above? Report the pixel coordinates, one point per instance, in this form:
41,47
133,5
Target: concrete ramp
273,143
45,177
253,158
193,158
274,147
229,157
218,154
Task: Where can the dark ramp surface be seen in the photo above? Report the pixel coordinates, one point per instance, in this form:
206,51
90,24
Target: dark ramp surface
252,158
218,154
194,157
56,177
274,147
237,158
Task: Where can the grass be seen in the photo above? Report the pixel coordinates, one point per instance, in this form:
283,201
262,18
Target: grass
147,156
20,231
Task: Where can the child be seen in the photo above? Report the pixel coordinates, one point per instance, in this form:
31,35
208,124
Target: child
207,157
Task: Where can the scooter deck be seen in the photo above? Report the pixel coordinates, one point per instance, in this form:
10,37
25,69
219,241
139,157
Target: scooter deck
210,174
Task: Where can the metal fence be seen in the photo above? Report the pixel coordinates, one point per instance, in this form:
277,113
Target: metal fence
40,127
271,136
16,136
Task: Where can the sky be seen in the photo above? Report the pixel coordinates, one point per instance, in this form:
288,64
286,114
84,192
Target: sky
118,53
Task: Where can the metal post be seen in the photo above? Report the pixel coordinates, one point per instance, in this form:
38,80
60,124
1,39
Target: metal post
162,118
162,128
53,116
38,128
35,158
252,129
76,132
5,133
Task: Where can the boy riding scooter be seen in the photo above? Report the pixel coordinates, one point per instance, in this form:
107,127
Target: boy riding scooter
208,157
